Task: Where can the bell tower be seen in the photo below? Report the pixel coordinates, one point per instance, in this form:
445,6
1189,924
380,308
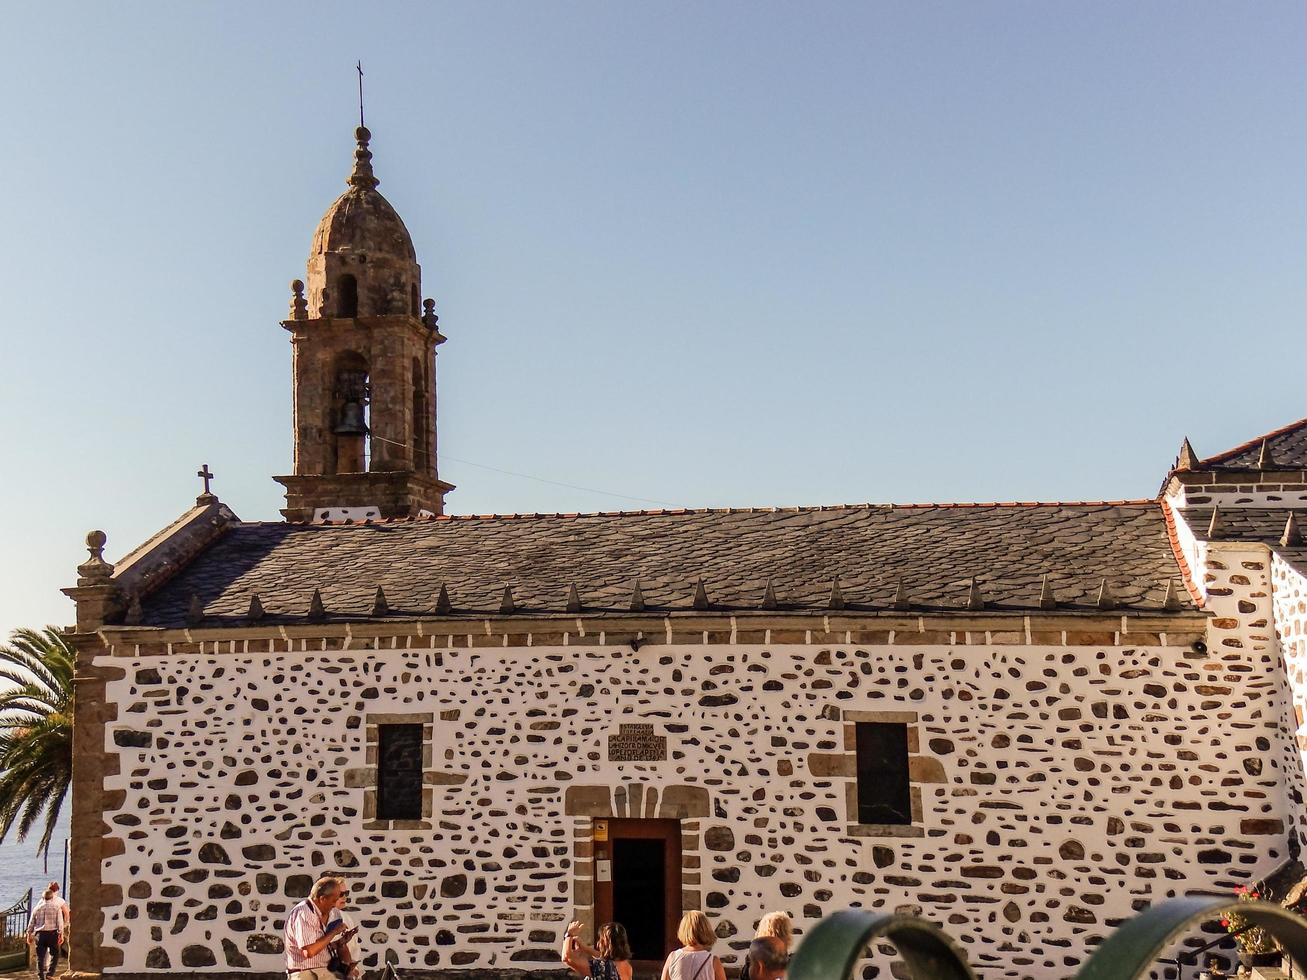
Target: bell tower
364,366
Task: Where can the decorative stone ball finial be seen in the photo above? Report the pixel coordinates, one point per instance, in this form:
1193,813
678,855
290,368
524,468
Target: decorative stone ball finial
362,175
299,306
429,318
95,570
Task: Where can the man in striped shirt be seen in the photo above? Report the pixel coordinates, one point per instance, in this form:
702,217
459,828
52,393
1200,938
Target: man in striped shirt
307,938
45,928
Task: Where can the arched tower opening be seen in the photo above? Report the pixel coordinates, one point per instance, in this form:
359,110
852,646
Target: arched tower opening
347,295
421,411
350,411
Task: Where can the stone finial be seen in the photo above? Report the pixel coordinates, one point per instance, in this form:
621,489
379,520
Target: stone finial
573,599
1265,461
1291,537
299,306
317,611
429,318
769,596
836,600
1106,600
362,175
637,598
194,611
1216,526
974,599
95,570
1171,601
443,605
1047,600
134,613
379,605
901,595
507,604
256,611
700,596
1188,459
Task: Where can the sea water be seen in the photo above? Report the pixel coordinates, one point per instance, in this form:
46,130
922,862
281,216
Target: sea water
22,866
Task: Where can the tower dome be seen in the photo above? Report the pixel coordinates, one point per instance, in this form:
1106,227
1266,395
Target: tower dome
362,261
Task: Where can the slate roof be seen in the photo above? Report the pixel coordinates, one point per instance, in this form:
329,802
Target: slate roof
1288,446
935,548
1263,524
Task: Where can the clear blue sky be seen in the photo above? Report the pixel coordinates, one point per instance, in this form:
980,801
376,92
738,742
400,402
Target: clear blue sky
709,254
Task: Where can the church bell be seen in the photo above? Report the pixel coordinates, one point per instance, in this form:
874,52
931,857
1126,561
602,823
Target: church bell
351,420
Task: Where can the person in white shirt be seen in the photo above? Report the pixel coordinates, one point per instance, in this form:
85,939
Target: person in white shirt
45,929
351,952
307,933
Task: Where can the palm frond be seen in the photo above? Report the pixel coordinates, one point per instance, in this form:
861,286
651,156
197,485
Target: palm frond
36,693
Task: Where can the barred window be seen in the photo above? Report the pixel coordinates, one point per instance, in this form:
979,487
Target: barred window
884,787
399,772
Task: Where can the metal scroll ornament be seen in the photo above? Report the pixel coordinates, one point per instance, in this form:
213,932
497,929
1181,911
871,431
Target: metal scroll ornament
832,949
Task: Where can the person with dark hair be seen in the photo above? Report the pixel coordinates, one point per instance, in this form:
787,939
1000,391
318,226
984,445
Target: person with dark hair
609,960
766,960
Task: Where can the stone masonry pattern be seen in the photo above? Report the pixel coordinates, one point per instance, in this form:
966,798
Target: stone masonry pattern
1063,788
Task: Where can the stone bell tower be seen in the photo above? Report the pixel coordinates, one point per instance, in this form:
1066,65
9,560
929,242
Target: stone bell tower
364,362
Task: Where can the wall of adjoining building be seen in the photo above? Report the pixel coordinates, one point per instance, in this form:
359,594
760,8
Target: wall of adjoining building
1241,490
1062,787
1290,605
1258,604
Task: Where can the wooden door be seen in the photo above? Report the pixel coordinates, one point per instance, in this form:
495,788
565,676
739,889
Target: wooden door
638,883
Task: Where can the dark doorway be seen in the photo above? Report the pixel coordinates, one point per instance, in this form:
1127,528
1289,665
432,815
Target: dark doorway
638,883
639,891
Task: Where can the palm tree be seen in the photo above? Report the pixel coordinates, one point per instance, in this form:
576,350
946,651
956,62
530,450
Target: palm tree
36,730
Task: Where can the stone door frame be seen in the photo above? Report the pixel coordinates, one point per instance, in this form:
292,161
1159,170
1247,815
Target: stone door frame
633,800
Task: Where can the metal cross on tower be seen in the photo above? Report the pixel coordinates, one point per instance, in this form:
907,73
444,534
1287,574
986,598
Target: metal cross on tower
359,66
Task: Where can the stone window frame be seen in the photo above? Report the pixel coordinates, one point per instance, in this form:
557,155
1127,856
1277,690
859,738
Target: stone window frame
843,766
368,777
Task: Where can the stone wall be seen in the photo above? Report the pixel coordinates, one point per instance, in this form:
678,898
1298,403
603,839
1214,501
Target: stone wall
1290,602
1270,488
1258,604
1061,788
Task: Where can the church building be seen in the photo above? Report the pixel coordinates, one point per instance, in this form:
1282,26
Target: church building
1023,721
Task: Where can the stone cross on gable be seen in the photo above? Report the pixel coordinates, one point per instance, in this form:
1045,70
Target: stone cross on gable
204,474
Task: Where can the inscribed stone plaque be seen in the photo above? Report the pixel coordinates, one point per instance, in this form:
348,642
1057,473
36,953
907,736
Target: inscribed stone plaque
637,743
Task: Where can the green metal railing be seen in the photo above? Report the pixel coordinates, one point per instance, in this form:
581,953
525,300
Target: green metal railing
834,946
13,933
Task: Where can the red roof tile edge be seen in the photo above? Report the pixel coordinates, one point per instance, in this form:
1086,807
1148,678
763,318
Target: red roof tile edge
1253,443
680,511
1186,574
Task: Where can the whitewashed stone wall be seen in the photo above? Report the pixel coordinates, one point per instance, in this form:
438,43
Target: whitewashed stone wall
1259,612
1257,492
1290,591
1076,784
